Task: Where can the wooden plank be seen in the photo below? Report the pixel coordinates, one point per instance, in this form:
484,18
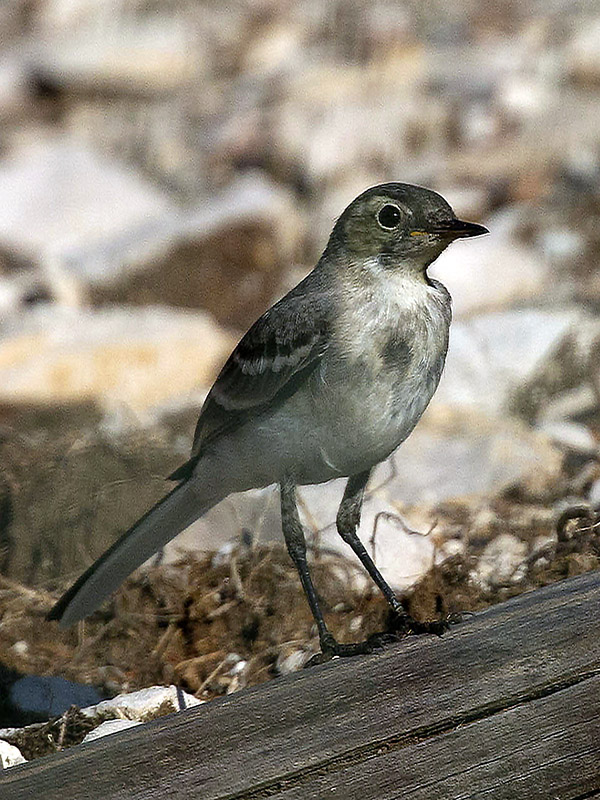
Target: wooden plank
545,748
338,717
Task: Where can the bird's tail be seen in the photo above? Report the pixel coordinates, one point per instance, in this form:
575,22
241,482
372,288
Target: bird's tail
171,515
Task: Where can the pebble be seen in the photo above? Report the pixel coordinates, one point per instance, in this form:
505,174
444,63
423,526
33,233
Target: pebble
10,755
108,727
503,561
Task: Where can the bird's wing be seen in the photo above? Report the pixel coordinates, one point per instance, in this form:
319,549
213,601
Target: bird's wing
272,360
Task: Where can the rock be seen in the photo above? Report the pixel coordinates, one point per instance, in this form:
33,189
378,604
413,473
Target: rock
460,453
502,562
448,456
109,716
143,705
139,358
492,357
119,54
561,246
15,93
292,660
594,494
83,228
228,256
583,54
401,555
10,755
523,96
573,404
42,697
78,217
491,273
571,436
571,367
334,119
108,727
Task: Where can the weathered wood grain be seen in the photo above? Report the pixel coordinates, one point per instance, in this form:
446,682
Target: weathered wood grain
504,706
545,748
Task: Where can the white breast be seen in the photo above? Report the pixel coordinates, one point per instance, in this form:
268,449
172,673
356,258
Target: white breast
376,393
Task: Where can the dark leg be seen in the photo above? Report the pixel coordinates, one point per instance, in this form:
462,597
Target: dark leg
348,520
296,545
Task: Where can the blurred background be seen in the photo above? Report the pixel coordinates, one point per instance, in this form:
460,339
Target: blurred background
169,169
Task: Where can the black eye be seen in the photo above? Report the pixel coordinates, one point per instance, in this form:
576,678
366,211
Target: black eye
389,217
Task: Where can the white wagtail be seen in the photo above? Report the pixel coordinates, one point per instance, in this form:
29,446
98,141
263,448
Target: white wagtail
327,383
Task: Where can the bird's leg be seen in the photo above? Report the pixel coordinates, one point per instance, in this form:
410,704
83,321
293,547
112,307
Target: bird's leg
348,520
296,545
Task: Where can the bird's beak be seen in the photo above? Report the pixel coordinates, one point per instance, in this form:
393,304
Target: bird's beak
457,229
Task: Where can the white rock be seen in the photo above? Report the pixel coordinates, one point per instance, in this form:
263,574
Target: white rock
10,755
449,455
144,705
292,662
334,119
157,53
583,55
86,223
594,495
108,727
15,92
490,273
238,667
21,648
501,562
453,454
561,245
492,355
401,556
250,197
74,213
58,198
141,358
524,96
571,436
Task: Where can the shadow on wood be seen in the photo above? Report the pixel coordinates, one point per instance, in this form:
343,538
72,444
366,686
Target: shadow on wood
505,706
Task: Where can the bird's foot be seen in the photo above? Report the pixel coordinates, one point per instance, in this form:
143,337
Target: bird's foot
330,648
403,624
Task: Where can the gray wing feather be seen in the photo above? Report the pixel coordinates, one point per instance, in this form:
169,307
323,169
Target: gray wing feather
271,361
269,364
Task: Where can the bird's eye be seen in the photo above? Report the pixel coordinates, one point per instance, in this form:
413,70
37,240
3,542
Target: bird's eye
389,217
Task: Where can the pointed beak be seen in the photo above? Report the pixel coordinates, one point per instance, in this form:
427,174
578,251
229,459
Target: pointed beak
457,229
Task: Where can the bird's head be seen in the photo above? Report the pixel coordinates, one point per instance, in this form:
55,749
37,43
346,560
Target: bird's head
399,225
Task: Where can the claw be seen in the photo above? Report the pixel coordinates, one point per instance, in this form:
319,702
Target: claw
406,624
402,625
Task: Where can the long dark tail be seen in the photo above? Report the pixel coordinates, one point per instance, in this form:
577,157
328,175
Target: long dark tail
171,515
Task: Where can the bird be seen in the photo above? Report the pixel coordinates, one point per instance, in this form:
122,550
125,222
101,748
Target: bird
326,384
